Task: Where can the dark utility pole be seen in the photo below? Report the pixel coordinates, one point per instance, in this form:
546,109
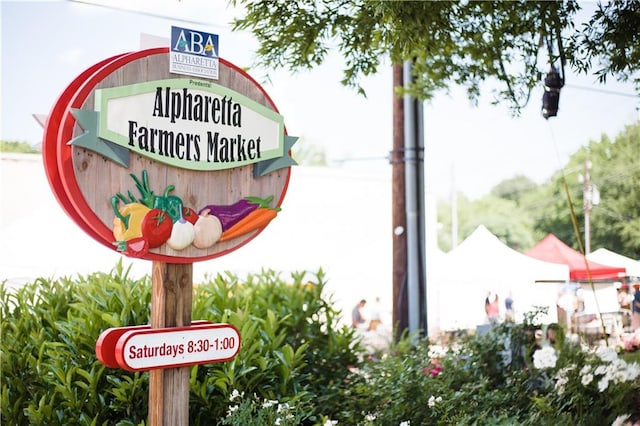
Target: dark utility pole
408,210
415,208
398,209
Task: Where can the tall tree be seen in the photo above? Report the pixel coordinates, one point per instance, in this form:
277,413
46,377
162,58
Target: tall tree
514,188
616,174
615,190
463,43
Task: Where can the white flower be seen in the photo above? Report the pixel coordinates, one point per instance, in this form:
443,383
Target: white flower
620,376
277,422
405,423
436,351
585,370
623,372
235,394
586,379
620,420
603,384
545,358
433,401
282,407
633,371
268,403
330,423
600,370
231,409
370,417
607,354
561,381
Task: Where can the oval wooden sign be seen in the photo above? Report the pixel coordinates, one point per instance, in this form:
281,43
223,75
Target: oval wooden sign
166,167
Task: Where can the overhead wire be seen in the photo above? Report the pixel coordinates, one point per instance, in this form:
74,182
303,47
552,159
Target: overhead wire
144,13
578,235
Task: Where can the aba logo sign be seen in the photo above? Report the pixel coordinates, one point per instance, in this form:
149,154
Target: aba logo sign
194,53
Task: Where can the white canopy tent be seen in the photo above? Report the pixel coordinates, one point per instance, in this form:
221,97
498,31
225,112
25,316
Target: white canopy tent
482,263
608,257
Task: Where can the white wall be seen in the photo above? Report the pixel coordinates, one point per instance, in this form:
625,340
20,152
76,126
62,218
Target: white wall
334,219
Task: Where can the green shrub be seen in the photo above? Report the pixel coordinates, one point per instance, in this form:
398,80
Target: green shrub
18,146
50,374
296,364
496,379
293,350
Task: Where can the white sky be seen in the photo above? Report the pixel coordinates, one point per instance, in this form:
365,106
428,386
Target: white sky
48,43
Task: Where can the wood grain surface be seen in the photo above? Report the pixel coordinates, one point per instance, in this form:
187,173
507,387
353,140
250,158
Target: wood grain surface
99,179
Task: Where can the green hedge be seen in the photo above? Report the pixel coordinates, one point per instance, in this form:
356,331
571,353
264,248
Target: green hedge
293,349
296,364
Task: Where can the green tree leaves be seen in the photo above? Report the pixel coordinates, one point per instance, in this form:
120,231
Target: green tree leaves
462,43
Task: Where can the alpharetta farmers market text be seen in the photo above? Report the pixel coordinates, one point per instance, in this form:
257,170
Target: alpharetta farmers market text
182,105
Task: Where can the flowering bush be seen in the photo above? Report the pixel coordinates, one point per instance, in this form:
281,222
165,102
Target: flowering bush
297,366
545,358
630,342
510,375
260,412
591,383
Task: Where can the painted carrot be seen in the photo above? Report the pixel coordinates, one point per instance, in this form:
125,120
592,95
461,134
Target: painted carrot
253,221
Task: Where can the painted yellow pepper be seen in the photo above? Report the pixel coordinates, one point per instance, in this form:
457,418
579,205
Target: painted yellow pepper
128,221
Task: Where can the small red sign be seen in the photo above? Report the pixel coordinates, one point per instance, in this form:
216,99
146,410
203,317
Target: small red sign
105,346
142,348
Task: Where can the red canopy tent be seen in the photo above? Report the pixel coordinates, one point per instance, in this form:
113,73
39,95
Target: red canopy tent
552,249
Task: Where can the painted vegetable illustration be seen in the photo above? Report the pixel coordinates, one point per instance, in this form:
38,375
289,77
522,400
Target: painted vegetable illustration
156,227
169,203
190,215
255,220
182,234
136,247
231,214
208,230
148,222
128,221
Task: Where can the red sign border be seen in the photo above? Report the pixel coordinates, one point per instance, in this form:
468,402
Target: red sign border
58,155
106,343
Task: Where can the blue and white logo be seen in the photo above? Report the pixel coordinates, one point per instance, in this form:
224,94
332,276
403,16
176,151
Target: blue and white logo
194,53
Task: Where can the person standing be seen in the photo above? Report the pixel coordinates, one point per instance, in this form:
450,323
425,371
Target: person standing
492,307
635,316
375,314
356,314
487,302
510,314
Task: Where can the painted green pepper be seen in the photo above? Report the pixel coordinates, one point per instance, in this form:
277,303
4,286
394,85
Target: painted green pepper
169,203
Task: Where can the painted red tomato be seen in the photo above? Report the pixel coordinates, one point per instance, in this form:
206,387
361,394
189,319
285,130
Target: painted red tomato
156,227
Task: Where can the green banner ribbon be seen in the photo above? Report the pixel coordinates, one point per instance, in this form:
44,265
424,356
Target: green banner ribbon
90,140
263,167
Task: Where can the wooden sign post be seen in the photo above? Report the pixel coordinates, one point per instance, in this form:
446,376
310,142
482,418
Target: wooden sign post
171,302
175,156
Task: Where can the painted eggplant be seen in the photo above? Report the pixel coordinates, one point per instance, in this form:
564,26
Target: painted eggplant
231,214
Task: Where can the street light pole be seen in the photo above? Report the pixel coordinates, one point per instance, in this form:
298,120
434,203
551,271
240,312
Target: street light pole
415,208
